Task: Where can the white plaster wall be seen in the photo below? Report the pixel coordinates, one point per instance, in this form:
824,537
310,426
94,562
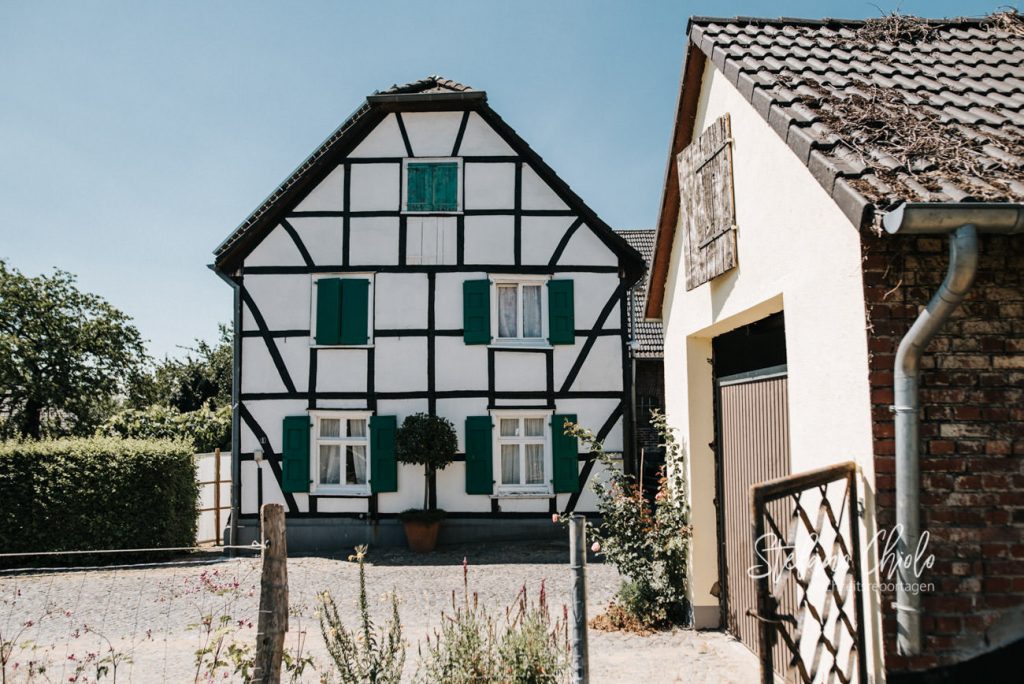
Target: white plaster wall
519,371
591,292
448,293
401,364
322,237
480,139
329,504
490,240
341,370
451,491
601,371
537,194
373,241
586,249
261,375
385,140
591,414
489,186
459,366
328,195
269,415
250,493
282,299
798,252
276,249
374,187
541,235
432,134
400,300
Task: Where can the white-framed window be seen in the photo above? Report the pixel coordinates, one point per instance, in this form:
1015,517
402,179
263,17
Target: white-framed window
341,309
520,305
341,452
432,185
522,452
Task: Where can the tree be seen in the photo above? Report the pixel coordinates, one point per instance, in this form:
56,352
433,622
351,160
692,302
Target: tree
65,355
429,441
203,376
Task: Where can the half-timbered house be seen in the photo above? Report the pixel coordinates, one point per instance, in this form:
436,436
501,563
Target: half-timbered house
424,259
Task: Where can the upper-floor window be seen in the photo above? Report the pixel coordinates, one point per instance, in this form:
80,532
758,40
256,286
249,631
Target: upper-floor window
342,309
520,305
432,185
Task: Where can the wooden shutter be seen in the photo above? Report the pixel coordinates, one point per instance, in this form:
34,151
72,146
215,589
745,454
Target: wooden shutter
355,308
295,454
419,187
476,311
328,311
383,464
479,455
446,187
561,312
564,454
707,208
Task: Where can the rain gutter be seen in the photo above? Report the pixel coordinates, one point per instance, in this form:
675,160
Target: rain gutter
962,222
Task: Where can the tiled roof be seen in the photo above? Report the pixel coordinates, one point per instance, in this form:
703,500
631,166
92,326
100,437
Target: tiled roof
647,334
886,110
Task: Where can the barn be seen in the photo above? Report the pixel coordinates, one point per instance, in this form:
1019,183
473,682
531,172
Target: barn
424,259
840,287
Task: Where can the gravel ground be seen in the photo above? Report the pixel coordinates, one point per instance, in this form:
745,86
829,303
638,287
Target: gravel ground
151,614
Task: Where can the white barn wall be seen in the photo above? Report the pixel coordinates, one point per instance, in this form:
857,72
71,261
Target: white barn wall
796,250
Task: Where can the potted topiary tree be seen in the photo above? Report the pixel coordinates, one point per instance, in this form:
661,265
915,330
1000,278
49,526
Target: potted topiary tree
429,441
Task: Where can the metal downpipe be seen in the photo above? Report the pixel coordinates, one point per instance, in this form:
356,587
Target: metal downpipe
236,389
963,264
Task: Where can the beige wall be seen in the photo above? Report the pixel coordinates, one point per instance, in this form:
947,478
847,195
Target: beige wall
797,253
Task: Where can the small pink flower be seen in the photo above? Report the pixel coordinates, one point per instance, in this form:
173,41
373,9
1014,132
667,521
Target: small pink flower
659,496
554,517
595,547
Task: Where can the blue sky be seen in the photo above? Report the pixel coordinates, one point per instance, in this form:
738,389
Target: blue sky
134,136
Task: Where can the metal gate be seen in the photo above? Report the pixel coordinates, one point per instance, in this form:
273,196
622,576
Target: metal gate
814,519
754,447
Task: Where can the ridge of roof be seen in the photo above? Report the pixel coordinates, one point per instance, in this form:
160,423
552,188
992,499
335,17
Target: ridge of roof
432,83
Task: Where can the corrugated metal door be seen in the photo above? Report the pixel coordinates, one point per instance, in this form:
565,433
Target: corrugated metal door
754,447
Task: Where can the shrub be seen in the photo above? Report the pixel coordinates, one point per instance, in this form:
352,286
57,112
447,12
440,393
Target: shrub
468,648
96,493
429,441
649,545
205,428
370,655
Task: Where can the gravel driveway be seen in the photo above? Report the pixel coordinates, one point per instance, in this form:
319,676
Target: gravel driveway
151,614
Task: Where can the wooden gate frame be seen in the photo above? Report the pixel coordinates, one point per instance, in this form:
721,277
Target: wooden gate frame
771,620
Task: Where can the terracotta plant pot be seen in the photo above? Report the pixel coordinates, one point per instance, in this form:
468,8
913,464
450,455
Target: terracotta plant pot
421,535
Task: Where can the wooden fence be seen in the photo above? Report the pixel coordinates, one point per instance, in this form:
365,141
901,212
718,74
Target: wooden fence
213,471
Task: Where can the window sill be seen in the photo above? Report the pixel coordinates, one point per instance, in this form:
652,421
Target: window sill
342,492
546,494
342,346
520,345
440,212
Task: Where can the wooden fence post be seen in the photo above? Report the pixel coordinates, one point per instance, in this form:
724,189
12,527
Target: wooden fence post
273,617
216,496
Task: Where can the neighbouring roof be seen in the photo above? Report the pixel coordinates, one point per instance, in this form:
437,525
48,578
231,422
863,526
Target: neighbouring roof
428,94
647,335
881,111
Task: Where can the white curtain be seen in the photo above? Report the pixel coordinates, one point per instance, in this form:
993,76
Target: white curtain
330,464
510,464
507,311
356,456
534,464
531,311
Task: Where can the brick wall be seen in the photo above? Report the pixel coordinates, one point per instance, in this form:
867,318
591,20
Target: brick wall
972,431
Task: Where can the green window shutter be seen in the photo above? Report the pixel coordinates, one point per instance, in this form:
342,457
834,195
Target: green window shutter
355,309
419,187
561,312
383,465
564,452
446,187
479,455
476,311
328,311
295,454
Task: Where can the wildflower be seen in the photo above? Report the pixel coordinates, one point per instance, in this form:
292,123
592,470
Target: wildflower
554,517
595,547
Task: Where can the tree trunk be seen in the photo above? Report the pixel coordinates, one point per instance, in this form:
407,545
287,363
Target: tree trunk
426,487
31,422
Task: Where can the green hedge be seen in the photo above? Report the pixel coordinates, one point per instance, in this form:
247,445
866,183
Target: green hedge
96,493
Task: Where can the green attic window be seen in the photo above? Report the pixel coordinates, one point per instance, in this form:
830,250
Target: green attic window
432,186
